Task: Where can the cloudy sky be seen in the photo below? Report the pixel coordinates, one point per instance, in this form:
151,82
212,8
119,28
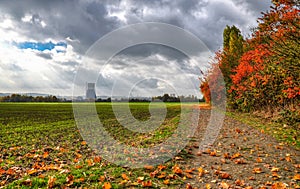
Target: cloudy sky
44,43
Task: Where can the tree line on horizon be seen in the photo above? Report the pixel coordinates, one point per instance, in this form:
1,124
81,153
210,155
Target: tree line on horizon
261,73
26,98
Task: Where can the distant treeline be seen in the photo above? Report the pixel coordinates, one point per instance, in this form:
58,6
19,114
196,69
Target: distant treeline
173,98
25,98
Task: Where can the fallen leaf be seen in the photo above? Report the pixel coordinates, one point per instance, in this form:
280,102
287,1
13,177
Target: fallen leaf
296,177
97,159
257,170
177,170
107,185
51,182
83,143
27,182
234,156
69,180
161,167
166,182
125,177
224,185
188,186
147,183
258,160
274,169
278,185
46,154
102,178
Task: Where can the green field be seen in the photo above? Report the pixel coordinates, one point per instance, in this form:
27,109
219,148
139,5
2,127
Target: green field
41,147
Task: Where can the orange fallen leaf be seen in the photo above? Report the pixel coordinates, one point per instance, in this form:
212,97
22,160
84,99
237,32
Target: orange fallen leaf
177,170
278,185
46,154
296,177
51,182
234,156
257,170
258,160
97,159
83,143
107,185
90,162
102,178
162,175
161,167
213,153
147,183
125,177
32,171
224,185
166,182
239,182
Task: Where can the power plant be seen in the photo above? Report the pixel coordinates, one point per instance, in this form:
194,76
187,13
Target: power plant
90,92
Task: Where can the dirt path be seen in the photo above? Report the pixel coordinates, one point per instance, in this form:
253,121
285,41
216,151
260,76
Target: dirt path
241,157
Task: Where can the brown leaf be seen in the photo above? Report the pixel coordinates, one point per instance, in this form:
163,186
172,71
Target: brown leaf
27,182
69,180
225,175
188,186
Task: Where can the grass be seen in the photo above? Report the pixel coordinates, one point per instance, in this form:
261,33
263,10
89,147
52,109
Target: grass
283,133
41,146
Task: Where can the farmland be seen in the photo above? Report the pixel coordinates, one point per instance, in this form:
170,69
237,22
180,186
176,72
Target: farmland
41,147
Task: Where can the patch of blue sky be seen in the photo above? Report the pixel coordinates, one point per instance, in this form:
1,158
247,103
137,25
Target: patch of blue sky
41,46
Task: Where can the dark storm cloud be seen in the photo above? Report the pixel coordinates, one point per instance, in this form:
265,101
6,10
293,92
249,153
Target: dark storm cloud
82,20
80,23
